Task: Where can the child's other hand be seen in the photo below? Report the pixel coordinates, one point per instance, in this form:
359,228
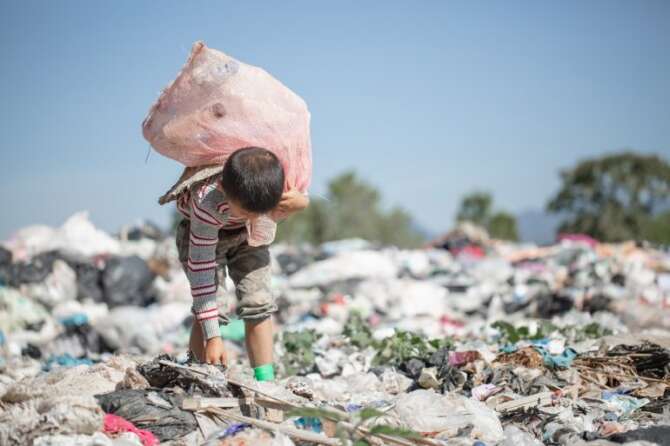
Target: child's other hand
291,201
215,352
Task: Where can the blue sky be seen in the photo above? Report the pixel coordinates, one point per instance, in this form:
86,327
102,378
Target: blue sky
427,100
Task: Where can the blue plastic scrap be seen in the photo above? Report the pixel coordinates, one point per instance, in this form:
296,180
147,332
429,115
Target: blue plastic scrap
65,361
76,320
234,429
625,404
562,361
309,423
350,408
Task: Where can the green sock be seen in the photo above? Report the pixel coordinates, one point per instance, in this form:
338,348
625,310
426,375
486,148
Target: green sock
264,372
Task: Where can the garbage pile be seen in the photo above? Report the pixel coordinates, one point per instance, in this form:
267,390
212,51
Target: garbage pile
505,344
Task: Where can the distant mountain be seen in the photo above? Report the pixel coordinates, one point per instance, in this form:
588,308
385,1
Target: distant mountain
537,226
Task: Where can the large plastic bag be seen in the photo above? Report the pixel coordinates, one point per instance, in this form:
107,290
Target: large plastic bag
427,411
217,105
59,286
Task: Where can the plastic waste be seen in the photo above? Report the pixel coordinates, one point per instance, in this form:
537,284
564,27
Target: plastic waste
234,330
405,297
483,391
114,424
217,105
653,435
393,382
623,405
346,266
165,422
18,311
309,423
563,360
427,411
127,281
59,286
360,328
516,437
65,361
233,430
77,236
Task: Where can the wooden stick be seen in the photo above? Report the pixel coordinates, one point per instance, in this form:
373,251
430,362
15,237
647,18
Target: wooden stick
290,431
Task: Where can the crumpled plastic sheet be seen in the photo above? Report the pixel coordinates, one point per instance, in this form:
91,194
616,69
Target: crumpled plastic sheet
166,421
429,412
116,425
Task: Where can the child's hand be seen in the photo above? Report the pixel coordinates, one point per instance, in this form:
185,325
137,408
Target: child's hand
291,201
215,353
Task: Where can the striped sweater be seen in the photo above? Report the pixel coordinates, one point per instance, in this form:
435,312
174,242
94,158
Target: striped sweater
206,207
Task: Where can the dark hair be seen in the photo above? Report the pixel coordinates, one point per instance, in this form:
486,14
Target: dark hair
254,178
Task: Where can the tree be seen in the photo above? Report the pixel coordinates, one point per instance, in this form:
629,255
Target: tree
614,197
657,228
309,226
503,226
476,207
352,208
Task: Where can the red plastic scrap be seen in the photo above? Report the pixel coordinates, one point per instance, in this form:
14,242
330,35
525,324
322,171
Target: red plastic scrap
114,425
451,322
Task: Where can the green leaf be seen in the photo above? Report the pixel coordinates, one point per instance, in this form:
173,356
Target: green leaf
394,431
357,330
369,412
507,331
403,345
299,357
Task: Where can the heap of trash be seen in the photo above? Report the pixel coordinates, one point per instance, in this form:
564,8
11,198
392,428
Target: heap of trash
470,341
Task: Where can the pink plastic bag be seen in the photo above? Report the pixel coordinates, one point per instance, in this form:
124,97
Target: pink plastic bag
217,105
115,425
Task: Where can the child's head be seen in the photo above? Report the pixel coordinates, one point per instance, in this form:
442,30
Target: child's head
253,180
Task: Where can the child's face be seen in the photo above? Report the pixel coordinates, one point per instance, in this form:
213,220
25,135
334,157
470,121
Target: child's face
240,212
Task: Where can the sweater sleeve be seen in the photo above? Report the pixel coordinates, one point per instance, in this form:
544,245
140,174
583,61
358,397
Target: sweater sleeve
201,264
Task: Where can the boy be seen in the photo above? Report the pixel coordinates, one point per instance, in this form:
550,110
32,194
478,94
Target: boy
215,233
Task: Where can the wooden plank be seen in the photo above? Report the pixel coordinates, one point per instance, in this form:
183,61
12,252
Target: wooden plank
537,400
196,403
274,404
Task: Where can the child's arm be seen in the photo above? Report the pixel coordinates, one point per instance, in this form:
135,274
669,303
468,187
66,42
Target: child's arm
291,202
201,265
